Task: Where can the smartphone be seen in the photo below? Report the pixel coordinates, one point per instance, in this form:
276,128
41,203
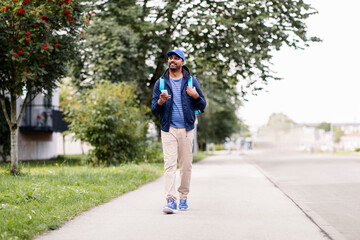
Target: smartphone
164,91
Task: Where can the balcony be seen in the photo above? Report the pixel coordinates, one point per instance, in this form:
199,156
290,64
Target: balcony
43,118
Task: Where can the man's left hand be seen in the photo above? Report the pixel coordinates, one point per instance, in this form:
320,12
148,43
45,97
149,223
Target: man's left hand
192,92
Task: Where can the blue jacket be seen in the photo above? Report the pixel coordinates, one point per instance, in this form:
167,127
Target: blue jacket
188,103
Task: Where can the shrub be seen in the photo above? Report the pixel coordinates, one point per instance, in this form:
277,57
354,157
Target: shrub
111,119
219,147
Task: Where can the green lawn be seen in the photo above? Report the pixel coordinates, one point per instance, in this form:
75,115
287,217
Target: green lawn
47,194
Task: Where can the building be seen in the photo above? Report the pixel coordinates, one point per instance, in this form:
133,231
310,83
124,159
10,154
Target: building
41,121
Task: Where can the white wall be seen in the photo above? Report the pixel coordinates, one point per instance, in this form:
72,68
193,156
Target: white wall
38,145
71,146
37,149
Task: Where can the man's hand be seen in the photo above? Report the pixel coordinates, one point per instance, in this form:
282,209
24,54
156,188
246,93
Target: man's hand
192,92
163,98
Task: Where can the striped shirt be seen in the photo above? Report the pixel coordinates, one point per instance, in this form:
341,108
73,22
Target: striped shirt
177,114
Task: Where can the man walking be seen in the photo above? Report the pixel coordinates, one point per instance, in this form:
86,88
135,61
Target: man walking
176,103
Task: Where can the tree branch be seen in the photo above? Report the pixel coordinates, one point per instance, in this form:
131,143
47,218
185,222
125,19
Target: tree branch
2,99
23,107
161,14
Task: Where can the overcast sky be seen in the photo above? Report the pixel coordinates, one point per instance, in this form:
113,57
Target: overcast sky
321,83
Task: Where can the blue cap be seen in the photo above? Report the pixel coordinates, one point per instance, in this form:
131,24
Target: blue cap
177,52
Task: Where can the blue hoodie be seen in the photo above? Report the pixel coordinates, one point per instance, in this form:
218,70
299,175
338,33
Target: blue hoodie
188,103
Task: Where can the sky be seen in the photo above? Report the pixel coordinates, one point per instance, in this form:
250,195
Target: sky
322,82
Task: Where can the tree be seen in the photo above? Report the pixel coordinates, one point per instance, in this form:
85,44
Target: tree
280,122
37,39
278,128
108,117
337,134
111,50
217,123
235,38
325,126
228,43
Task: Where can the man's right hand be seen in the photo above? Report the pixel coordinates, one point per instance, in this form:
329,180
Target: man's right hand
163,98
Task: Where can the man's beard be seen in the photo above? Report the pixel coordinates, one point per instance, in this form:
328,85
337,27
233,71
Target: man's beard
173,66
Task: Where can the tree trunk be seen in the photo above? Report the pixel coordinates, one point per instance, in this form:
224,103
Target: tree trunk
82,147
14,135
14,151
13,123
63,137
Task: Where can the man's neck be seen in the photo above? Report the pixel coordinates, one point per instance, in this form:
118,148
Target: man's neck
176,74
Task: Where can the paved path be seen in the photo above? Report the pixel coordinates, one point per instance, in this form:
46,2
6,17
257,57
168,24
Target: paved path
229,199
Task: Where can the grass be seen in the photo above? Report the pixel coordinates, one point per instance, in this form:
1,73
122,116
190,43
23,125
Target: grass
46,194
200,155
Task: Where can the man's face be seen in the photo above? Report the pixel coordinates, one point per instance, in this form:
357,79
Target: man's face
175,62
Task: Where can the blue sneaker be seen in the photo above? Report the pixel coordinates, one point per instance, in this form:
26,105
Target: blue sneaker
183,205
170,207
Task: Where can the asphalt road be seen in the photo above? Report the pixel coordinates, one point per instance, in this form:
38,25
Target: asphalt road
325,186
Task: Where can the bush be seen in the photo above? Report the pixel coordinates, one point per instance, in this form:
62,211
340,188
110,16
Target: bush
153,152
357,149
111,119
219,147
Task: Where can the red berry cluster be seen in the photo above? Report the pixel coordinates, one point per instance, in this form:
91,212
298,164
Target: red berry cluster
21,11
44,18
6,8
45,46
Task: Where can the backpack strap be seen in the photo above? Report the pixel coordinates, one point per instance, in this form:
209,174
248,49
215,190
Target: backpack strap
162,84
190,84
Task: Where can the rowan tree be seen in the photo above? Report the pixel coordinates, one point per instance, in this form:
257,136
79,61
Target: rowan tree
37,40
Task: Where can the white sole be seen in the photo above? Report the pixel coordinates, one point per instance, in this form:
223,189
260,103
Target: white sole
169,210
183,210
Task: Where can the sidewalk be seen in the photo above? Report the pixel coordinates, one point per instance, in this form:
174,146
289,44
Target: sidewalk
229,199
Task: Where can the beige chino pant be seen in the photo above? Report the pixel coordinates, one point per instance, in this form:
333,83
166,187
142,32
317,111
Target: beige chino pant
177,144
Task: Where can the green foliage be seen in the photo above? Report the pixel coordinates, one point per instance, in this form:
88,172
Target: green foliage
110,119
337,134
325,126
4,133
47,194
114,56
226,42
217,123
200,156
36,40
153,152
219,147
65,94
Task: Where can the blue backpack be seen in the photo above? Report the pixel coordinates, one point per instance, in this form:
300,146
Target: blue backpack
190,84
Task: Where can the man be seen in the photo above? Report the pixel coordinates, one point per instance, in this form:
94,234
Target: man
177,117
